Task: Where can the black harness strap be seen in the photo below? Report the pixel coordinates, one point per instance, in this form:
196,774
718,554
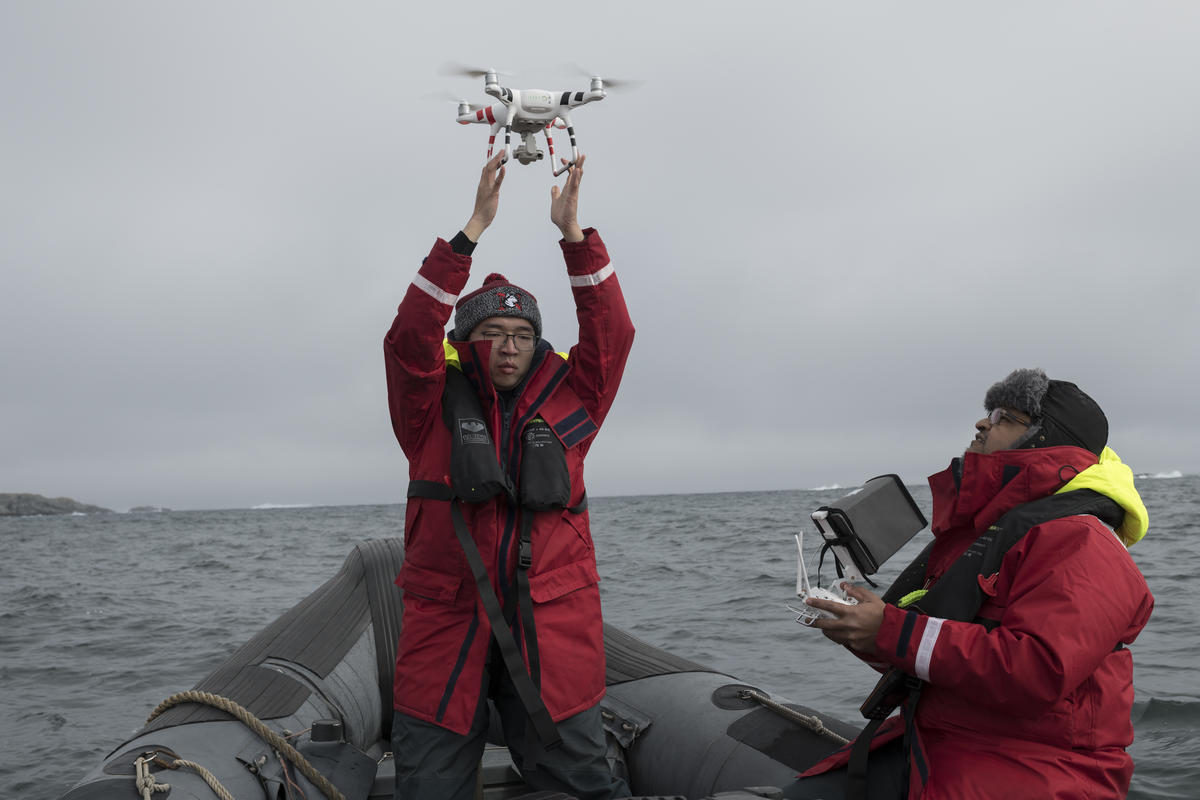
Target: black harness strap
893,688
526,687
525,606
525,597
856,767
910,728
430,490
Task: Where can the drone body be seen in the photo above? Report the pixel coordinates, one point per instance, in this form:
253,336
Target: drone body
526,112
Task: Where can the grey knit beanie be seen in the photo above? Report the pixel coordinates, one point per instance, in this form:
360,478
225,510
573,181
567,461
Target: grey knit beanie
1062,413
496,298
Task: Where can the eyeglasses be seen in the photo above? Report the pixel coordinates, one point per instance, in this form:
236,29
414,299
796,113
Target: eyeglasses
524,342
998,414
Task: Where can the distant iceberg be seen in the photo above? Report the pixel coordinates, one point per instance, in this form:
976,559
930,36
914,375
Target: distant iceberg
1171,474
829,488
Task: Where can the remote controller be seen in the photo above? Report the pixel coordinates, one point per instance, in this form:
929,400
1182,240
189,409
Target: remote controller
806,614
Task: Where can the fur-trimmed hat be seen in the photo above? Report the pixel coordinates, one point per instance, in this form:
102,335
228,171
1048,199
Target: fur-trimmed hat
1061,412
496,298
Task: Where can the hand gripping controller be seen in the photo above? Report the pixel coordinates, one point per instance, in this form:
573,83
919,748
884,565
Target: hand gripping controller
806,614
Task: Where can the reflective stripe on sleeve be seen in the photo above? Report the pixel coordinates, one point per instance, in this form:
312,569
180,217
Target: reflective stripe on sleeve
431,289
925,650
593,279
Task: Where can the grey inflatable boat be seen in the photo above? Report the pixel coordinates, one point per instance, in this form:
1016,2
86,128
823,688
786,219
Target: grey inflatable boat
304,710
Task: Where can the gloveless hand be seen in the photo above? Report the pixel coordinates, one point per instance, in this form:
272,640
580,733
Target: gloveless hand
487,198
564,204
854,626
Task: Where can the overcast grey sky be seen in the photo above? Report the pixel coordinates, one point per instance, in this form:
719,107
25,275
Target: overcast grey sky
835,223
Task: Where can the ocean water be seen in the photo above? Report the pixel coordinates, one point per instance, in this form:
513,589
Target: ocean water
104,616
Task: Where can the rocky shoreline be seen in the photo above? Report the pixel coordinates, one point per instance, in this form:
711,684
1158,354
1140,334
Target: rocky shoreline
31,505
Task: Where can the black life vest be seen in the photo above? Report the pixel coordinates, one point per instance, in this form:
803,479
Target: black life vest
958,596
476,475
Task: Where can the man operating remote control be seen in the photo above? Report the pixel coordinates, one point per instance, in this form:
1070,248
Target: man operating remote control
1005,643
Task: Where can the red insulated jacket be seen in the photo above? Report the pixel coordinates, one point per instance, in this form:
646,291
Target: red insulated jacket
445,636
1039,706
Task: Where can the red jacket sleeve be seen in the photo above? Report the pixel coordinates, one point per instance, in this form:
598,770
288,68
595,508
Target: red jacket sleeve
1067,595
412,350
605,329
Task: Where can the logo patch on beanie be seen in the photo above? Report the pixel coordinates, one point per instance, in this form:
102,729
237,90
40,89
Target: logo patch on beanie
509,300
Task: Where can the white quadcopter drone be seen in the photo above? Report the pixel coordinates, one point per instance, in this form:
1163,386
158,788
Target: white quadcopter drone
527,111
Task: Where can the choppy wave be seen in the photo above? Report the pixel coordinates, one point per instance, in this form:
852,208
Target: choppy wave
1162,712
273,506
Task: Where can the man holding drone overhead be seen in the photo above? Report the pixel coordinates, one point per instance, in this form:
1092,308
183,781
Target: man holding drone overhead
499,577
1006,640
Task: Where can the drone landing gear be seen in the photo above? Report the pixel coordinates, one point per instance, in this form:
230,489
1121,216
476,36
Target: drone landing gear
565,123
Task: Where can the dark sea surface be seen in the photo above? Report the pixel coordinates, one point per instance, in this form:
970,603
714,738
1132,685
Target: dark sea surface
103,616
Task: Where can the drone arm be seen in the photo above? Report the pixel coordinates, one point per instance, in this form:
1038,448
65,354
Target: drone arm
493,87
575,99
486,114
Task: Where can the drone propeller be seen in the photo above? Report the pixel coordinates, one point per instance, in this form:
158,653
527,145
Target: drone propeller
455,69
453,98
609,83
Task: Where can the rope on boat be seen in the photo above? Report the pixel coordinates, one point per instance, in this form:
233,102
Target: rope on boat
814,724
252,722
209,778
147,784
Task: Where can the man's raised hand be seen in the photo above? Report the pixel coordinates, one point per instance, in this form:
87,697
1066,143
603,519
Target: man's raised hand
487,198
564,204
